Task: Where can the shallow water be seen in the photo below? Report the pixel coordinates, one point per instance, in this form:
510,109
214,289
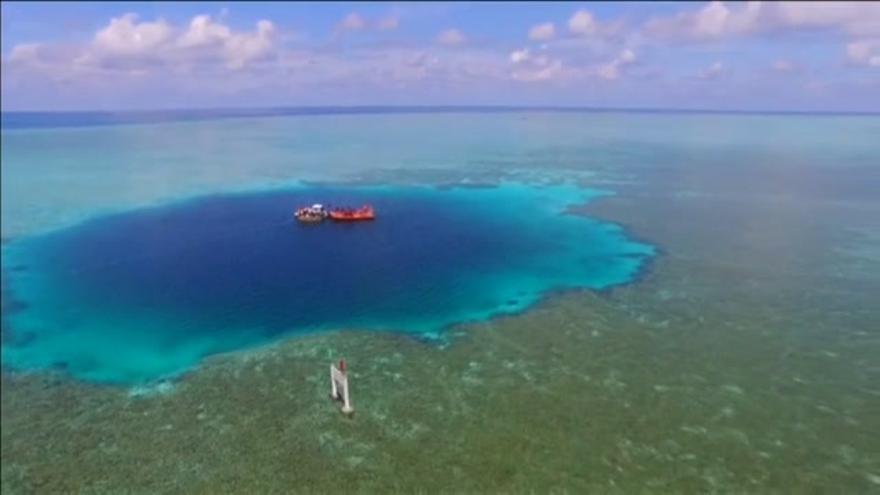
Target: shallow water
744,361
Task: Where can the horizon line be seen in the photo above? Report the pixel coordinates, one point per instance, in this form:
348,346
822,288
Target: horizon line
268,110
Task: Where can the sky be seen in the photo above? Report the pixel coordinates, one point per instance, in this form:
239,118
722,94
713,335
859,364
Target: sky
766,56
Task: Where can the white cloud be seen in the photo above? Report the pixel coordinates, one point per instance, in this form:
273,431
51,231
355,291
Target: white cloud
550,69
718,20
44,61
714,71
24,53
244,48
612,70
583,23
519,56
542,32
206,39
356,22
352,22
393,67
204,32
389,23
451,37
529,67
125,36
135,47
854,18
864,52
203,55
714,20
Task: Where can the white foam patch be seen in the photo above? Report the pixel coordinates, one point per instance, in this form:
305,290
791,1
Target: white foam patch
151,390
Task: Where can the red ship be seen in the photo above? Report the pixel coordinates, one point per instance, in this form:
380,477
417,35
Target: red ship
352,215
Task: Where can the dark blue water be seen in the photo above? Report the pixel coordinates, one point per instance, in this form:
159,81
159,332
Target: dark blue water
38,120
165,286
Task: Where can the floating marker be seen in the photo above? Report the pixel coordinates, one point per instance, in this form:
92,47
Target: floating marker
339,386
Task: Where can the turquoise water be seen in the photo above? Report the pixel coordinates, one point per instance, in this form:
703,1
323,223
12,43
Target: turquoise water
145,294
743,361
58,177
65,189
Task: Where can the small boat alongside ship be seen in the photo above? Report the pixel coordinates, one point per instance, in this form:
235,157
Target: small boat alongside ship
311,214
317,213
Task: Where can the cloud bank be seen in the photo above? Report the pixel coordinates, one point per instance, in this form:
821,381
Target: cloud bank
576,54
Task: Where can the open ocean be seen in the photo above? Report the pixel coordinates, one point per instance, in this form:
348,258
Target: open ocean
574,300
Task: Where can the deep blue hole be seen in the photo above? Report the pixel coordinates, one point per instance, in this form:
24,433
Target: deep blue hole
222,272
